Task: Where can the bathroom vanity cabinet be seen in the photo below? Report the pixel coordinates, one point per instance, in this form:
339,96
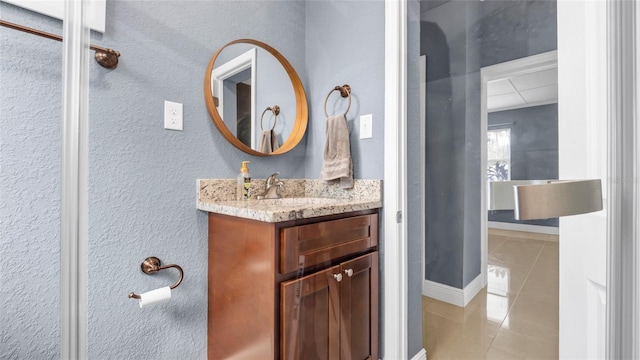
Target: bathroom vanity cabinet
333,313
298,289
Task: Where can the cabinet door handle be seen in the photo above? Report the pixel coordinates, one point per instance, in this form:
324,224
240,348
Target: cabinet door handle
338,277
349,272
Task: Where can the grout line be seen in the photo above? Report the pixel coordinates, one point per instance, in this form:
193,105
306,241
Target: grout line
502,242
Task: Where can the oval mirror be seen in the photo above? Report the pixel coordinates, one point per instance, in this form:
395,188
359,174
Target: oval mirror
255,98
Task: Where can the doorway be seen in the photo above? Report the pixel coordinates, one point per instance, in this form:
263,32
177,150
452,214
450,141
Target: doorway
592,35
516,314
530,150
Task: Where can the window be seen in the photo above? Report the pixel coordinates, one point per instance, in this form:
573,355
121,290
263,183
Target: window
499,155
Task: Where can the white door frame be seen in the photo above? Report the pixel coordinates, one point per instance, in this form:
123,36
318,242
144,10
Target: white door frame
219,74
394,313
74,204
623,207
521,66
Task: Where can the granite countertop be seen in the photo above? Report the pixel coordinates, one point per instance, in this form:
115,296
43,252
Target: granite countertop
301,199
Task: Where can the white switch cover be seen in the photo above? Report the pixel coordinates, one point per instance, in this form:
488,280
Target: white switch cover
172,115
366,131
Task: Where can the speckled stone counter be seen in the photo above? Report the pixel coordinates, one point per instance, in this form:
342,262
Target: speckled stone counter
301,199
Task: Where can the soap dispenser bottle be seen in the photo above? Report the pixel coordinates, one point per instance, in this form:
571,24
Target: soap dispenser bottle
243,185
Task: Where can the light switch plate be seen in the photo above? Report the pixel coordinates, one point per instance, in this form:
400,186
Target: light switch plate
366,124
172,115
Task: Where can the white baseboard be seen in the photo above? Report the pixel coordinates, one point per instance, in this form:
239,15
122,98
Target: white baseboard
421,355
453,295
523,227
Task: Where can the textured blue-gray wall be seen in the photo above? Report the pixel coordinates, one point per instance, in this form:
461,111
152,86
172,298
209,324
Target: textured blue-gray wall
460,37
534,150
30,164
142,177
345,45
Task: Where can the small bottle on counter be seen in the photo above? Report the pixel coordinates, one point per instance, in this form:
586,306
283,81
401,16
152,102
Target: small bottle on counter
243,185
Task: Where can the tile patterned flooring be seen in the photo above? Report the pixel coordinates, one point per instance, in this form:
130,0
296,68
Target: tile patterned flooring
514,317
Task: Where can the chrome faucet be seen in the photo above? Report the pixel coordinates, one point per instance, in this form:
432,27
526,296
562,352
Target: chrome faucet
273,184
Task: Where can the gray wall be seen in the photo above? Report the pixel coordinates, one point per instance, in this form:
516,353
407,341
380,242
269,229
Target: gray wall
30,163
345,45
534,150
414,180
142,177
460,37
274,88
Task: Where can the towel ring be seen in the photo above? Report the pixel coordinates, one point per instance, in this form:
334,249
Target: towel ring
151,265
275,109
345,91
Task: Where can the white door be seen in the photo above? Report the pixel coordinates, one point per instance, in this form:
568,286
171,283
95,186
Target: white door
582,155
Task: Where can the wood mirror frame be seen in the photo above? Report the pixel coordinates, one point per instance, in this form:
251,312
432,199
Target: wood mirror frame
302,112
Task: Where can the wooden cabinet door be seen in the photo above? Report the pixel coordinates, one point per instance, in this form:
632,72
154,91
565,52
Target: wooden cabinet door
359,308
310,316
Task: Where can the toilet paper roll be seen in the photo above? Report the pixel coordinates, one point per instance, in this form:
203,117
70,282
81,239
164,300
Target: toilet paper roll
156,296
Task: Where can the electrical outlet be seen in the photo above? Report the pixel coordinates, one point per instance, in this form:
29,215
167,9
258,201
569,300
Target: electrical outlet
172,115
366,124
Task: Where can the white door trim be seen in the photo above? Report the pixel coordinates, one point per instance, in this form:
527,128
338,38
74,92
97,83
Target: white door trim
394,313
623,207
74,208
219,74
526,65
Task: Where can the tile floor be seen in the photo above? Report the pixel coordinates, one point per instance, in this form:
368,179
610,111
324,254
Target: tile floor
514,317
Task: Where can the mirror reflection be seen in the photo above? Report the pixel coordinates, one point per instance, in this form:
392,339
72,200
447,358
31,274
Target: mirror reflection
247,82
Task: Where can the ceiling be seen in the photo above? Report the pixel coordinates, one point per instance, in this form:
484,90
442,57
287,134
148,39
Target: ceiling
518,91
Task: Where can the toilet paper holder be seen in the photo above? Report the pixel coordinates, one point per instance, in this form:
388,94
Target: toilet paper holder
152,265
